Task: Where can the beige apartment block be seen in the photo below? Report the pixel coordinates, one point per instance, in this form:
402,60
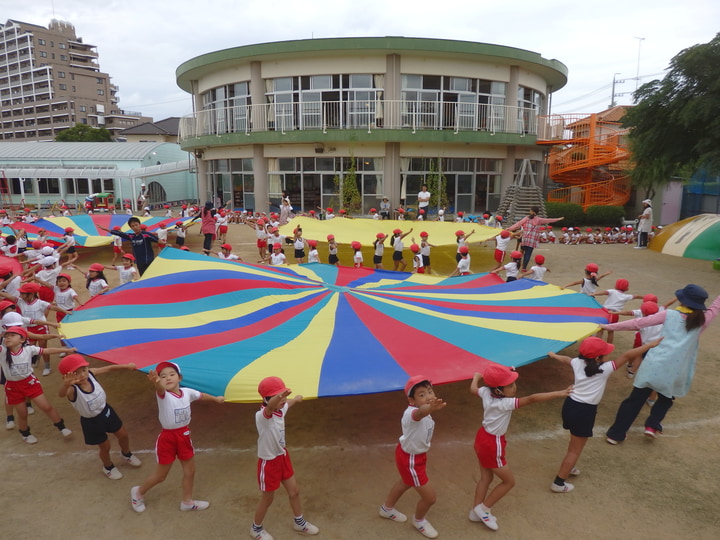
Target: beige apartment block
50,80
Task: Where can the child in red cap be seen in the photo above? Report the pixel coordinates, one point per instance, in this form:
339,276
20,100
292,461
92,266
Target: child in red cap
411,454
616,300
589,283
332,250
592,370
97,418
499,402
274,465
379,251
397,243
174,439
537,271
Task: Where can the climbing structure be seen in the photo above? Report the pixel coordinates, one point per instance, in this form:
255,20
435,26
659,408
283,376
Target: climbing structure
521,195
589,155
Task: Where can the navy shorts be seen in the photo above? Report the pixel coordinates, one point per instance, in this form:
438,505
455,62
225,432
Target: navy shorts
333,259
95,429
578,417
377,259
299,253
426,260
397,256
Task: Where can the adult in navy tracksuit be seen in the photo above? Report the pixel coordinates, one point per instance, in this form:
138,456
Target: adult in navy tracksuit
141,243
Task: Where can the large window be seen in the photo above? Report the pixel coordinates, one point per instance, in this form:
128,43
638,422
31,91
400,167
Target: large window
233,182
228,108
530,103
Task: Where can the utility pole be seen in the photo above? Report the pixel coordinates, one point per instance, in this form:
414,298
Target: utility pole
613,95
637,73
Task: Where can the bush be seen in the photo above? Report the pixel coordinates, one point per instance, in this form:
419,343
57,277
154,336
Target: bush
605,215
573,213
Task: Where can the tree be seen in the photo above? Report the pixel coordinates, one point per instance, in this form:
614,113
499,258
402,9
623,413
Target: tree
437,184
675,126
84,133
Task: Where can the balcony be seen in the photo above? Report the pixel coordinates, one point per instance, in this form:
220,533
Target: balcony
359,116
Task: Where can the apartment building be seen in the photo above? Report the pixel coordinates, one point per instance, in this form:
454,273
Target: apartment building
50,80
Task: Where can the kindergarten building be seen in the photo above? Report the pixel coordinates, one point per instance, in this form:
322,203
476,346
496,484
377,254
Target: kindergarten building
297,115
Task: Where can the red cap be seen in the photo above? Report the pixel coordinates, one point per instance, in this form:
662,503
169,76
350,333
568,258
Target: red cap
401,210
66,276
271,386
593,347
185,248
380,235
277,245
129,257
166,206
496,375
226,246
17,330
397,231
414,248
504,233
329,210
564,228
421,211
343,211
460,233
312,212
622,284
330,237
650,298
413,382
461,214
116,228
463,250
424,234
312,243
589,229
178,223
163,365
96,267
373,210
355,244
71,363
540,259
649,308
499,218
6,304
28,210
29,288
486,216
184,207
608,229
69,229
37,244
591,267
516,255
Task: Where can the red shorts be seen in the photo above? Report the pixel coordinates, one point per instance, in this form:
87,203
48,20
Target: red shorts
421,270
611,318
36,330
638,340
17,391
499,256
174,443
490,449
222,229
411,467
271,472
61,315
117,249
261,243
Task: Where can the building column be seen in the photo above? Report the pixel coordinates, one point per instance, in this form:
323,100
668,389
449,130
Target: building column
391,173
508,168
203,189
257,97
260,173
391,164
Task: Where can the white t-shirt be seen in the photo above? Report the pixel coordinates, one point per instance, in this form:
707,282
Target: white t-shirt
424,199
96,286
379,249
174,409
496,411
501,243
649,333
358,258
313,255
126,274
65,299
277,259
538,273
590,389
463,265
228,257
271,433
34,310
417,262
21,367
616,300
416,434
511,269
646,224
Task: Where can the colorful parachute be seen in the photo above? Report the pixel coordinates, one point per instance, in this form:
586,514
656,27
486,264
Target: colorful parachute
325,330
86,231
697,237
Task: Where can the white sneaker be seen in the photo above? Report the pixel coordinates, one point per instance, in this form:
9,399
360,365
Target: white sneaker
47,371
486,517
565,488
66,432
575,471
308,528
132,460
138,502
262,535
196,505
113,474
30,439
424,528
393,514
472,516
10,424
30,409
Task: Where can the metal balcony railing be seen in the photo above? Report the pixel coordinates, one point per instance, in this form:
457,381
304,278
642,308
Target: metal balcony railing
359,115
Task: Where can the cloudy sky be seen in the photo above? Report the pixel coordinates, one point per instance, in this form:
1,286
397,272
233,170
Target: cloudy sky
142,42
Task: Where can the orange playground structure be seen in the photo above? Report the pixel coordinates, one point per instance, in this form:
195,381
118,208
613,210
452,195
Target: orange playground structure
589,155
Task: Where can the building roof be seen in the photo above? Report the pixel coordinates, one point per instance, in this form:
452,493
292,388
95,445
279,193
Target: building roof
168,126
110,151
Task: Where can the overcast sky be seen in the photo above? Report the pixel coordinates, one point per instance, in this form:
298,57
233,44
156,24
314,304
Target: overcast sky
142,42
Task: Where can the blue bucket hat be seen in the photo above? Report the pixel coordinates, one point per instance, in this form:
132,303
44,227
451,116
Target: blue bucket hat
692,296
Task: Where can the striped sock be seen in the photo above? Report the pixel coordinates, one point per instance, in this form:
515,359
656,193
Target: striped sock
300,521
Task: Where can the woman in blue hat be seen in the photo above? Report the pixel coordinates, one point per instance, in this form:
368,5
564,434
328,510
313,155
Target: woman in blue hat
668,368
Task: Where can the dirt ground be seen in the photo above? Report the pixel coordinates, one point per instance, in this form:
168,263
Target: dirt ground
342,449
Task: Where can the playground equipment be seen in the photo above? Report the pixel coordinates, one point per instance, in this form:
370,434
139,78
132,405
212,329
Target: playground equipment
589,155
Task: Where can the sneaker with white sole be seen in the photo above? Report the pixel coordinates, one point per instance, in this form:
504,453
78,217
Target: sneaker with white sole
472,516
196,505
575,471
486,517
10,424
651,433
138,502
565,488
262,534
392,514
611,441
112,474
132,460
308,528
30,439
66,432
424,528
47,371
30,409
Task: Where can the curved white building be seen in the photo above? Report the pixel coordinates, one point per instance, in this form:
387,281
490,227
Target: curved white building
294,115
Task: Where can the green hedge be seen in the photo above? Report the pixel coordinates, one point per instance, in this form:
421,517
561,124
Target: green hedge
606,215
573,213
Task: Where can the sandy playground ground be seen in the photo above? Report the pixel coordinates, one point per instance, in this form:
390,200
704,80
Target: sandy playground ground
342,449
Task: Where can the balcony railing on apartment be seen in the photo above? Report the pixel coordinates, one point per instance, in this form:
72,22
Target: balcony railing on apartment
359,115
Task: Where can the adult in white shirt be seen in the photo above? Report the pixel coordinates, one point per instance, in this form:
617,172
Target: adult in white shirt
423,199
645,224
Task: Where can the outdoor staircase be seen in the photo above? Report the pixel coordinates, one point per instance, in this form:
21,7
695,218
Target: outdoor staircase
521,195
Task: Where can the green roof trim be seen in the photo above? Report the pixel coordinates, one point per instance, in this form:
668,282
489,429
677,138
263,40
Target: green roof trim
553,71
